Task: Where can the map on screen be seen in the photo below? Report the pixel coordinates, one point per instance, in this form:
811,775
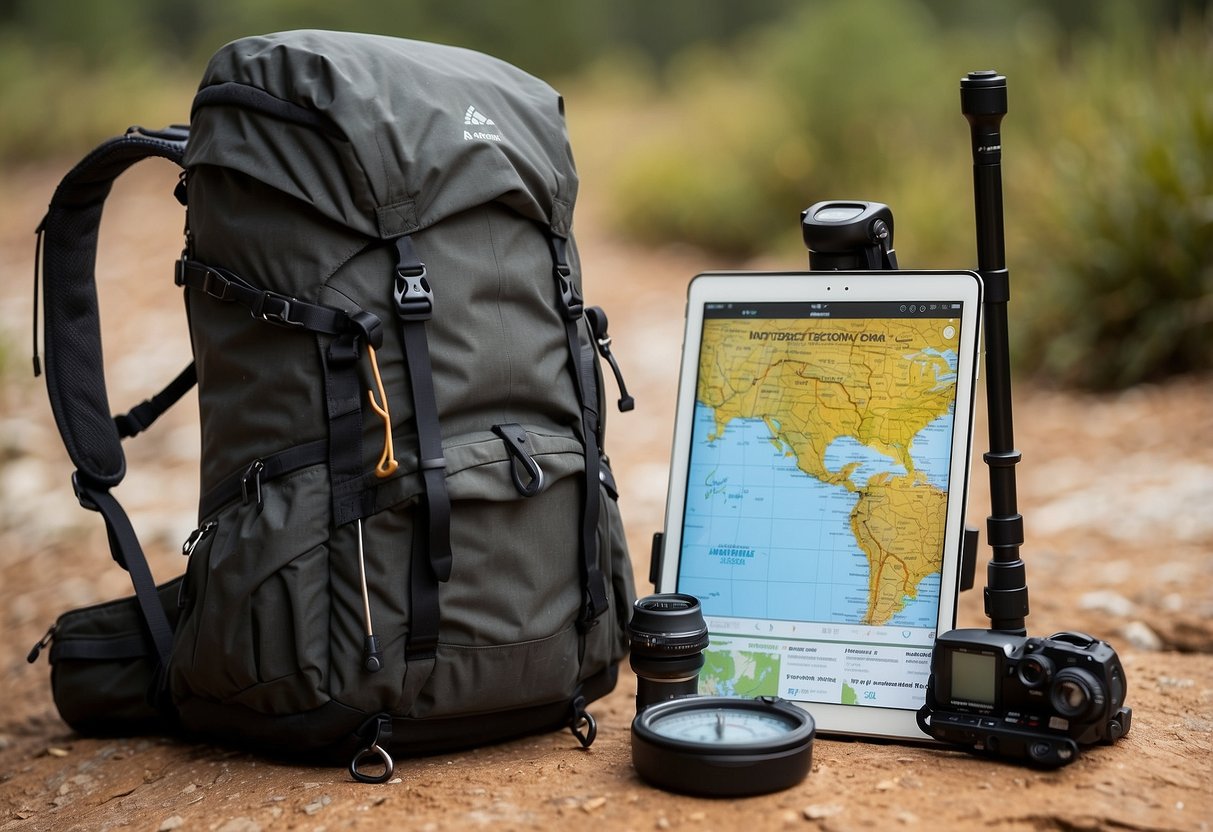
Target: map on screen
817,491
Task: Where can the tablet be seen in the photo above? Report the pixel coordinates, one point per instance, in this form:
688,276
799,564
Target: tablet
817,487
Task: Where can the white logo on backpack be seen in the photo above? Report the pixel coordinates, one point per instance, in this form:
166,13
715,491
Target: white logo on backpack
485,127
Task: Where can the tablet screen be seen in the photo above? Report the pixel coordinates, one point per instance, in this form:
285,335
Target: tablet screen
821,454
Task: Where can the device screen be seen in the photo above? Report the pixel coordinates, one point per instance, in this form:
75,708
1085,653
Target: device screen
816,499
973,678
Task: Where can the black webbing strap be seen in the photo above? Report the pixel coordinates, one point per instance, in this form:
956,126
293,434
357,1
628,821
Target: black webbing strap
75,377
423,601
140,417
414,306
274,307
581,363
125,549
343,403
431,559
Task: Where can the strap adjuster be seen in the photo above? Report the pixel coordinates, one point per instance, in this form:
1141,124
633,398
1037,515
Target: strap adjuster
274,308
216,285
78,489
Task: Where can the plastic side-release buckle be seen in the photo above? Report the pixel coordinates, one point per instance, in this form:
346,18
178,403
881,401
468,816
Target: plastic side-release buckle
414,299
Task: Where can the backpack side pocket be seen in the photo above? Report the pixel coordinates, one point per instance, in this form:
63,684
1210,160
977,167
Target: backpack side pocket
103,668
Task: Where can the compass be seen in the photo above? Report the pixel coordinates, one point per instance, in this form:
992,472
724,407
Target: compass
722,746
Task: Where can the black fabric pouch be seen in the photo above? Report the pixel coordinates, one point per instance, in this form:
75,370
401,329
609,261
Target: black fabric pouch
103,668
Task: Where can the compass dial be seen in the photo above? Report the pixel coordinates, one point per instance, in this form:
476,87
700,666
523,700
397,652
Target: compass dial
723,726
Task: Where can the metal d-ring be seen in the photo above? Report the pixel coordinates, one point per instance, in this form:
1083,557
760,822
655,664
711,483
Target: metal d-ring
367,755
584,728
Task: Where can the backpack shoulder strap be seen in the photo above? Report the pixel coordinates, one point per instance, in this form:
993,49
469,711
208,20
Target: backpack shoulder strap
75,377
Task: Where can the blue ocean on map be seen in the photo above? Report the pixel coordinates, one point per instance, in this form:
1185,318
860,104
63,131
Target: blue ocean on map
762,539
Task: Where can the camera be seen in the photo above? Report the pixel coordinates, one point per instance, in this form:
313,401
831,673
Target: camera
1032,699
668,637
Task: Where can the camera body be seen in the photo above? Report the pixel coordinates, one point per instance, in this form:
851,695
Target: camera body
1033,699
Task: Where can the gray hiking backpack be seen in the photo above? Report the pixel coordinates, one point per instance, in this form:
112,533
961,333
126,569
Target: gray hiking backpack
408,539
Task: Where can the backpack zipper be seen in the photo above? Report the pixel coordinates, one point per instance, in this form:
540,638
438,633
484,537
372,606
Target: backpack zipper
187,549
42,644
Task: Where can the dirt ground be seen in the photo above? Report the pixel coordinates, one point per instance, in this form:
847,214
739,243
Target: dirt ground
1116,491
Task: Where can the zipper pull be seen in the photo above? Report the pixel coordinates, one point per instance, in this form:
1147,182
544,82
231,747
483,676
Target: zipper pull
197,536
187,549
598,326
42,644
252,475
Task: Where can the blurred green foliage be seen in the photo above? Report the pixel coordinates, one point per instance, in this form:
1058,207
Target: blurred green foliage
1119,228
713,123
1108,162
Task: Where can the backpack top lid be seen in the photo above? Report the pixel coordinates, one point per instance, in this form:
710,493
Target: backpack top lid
385,135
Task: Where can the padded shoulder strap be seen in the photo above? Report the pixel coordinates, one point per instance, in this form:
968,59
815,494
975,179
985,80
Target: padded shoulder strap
75,377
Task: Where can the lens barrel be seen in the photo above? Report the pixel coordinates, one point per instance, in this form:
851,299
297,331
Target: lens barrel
668,637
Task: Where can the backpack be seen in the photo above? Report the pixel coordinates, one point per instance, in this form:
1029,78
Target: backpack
408,535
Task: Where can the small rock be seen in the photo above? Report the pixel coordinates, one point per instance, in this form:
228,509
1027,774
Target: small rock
240,825
171,823
593,804
821,811
313,808
1139,635
1108,602
663,823
886,785
57,752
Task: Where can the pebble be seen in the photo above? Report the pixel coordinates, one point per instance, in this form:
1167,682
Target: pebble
171,823
241,824
1139,635
1107,602
821,811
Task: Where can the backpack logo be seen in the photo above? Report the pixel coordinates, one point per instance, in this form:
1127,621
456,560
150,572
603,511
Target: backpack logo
481,126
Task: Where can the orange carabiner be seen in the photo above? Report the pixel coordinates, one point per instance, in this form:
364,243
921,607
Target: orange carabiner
387,464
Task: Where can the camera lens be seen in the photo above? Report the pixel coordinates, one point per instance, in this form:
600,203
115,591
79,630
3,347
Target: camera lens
668,637
1034,671
1074,693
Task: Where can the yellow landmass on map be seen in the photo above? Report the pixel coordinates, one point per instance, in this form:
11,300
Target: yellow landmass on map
815,381
899,523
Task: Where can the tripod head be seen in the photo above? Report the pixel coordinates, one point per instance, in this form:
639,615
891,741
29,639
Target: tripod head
848,236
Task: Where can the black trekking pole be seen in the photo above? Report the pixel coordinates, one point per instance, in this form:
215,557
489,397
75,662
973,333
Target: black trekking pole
983,100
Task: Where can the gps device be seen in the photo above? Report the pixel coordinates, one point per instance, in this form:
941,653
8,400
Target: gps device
818,479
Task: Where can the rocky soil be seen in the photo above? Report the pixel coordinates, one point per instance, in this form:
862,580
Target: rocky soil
1116,491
